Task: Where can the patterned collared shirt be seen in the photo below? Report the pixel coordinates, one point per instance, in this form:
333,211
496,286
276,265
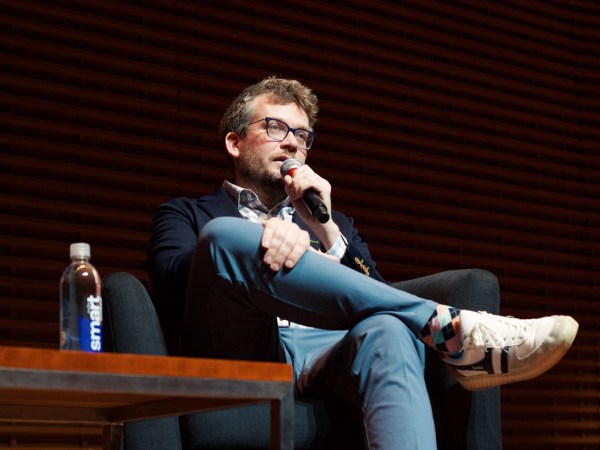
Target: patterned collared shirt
251,208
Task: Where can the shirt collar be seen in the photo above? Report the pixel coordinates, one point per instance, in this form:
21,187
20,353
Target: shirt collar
246,198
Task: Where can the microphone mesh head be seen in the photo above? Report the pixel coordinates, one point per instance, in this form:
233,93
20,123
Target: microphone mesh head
288,165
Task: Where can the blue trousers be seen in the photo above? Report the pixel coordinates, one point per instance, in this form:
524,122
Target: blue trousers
365,348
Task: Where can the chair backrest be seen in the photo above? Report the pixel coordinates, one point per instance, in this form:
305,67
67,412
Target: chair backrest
132,326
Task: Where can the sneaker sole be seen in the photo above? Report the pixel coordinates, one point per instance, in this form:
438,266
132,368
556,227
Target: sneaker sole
569,328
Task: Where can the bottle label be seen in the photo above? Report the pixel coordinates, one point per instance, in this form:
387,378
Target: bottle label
90,327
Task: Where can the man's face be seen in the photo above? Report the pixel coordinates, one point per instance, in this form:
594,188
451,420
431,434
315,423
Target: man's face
258,157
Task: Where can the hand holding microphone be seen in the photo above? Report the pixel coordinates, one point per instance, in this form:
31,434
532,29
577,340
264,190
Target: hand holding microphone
311,198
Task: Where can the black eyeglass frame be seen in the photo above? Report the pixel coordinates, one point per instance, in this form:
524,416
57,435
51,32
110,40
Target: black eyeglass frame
293,130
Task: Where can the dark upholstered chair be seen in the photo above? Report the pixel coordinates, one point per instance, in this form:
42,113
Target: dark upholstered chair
132,326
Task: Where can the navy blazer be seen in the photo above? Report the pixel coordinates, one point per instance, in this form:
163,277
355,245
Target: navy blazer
177,225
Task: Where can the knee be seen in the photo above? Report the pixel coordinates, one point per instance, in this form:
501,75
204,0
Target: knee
230,233
384,351
385,338
226,244
225,229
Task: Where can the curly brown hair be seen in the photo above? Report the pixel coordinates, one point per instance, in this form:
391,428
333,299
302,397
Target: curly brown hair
280,91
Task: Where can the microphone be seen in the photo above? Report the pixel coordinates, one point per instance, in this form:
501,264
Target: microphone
311,199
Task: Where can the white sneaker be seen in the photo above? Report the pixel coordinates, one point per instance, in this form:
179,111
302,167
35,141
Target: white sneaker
499,350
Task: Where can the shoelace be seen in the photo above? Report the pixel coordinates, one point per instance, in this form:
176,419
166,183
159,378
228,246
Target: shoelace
511,332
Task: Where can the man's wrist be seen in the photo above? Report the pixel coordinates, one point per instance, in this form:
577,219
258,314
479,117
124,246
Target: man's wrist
338,249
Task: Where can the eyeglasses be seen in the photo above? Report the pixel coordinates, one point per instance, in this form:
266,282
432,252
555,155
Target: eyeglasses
278,130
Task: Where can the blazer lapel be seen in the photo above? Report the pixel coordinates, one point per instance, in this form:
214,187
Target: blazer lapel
218,204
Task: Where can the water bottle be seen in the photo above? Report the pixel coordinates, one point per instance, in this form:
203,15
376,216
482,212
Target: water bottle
80,303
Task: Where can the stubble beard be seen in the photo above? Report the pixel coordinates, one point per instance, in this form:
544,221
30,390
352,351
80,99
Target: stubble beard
267,184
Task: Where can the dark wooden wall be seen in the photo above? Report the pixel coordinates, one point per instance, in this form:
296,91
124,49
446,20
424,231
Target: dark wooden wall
458,134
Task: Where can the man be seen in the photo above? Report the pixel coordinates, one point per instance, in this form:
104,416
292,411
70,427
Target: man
250,261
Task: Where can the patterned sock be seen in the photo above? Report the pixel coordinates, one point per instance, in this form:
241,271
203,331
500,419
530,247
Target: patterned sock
442,331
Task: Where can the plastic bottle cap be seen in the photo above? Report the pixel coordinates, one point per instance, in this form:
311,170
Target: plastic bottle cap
81,249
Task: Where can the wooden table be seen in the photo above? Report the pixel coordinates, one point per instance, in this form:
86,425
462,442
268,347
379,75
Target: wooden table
53,386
